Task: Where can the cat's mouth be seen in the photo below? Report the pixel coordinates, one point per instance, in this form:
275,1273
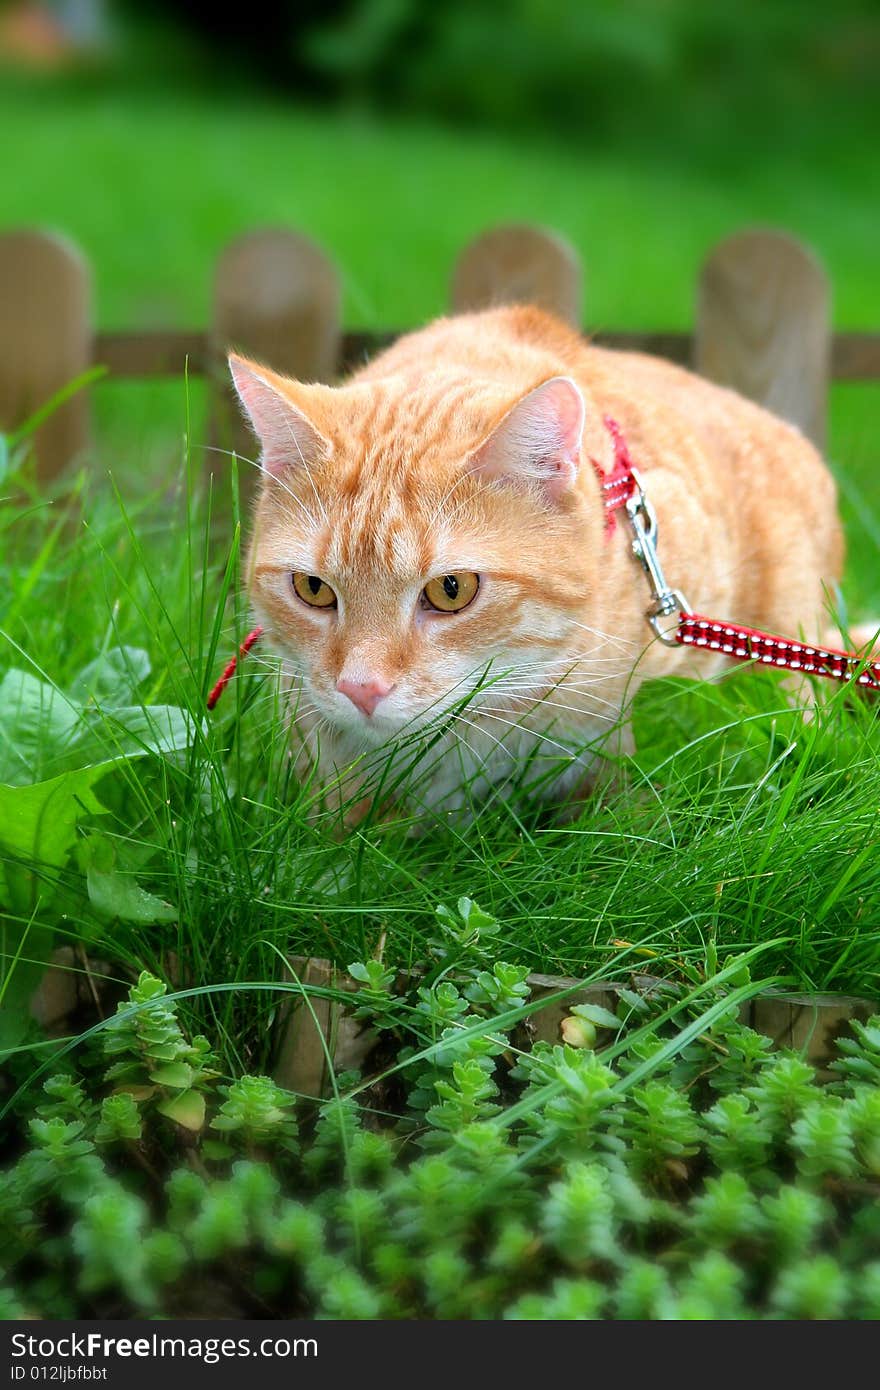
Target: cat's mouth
402,713
377,727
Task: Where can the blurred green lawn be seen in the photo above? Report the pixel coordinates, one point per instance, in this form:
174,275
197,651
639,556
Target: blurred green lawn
152,188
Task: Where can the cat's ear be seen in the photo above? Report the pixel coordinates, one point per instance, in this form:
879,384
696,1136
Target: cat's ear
539,440
288,437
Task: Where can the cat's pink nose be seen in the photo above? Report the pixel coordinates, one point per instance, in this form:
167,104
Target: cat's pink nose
365,694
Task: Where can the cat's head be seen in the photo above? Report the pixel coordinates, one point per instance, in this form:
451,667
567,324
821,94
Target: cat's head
412,536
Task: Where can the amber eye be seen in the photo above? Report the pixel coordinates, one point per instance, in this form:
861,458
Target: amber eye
451,592
314,591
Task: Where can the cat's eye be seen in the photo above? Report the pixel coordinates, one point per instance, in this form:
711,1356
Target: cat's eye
314,591
450,593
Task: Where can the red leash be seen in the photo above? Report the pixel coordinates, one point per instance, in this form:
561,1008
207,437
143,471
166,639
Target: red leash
623,487
745,644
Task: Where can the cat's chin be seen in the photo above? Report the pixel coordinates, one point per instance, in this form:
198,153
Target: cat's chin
361,732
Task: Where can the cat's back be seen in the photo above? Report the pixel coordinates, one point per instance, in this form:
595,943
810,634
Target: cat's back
515,347
664,409
518,346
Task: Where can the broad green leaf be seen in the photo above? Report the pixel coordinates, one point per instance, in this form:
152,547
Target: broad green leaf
96,851
37,833
187,1110
38,725
38,829
131,732
118,895
113,677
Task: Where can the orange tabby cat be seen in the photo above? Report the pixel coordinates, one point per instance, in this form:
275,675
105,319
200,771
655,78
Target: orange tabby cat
434,527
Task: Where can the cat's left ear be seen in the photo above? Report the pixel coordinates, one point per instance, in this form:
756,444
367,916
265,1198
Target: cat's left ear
539,440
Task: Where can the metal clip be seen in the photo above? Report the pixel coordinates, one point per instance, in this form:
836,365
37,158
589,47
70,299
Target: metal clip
643,520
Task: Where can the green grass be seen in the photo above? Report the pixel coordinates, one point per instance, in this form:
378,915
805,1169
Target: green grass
740,823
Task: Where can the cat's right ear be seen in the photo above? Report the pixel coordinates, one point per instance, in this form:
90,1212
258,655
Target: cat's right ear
287,436
538,441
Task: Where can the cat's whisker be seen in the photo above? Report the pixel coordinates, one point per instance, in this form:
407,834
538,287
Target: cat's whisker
566,696
561,683
453,515
539,688
474,763
534,733
604,636
269,477
591,654
556,704
570,659
524,689
499,743
307,471
543,683
270,663
230,453
579,713
318,730
269,697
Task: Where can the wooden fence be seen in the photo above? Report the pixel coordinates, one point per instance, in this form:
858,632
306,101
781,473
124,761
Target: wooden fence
762,323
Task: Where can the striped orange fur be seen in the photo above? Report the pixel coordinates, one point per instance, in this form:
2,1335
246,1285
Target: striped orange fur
465,448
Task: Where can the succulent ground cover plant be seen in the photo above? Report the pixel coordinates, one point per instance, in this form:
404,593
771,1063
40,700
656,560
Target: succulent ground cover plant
674,1165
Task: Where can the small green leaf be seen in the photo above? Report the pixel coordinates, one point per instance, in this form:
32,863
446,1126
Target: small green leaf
629,1000
594,1013
476,918
136,1092
216,1150
176,1074
739,977
187,1110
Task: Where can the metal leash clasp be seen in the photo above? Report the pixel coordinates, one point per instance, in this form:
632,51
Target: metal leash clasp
643,520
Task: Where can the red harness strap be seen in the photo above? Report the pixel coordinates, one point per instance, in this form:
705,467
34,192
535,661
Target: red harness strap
622,487
229,669
620,484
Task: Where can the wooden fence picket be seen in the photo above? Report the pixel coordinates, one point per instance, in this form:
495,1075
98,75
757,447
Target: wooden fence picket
277,298
317,1035
519,265
763,326
45,340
